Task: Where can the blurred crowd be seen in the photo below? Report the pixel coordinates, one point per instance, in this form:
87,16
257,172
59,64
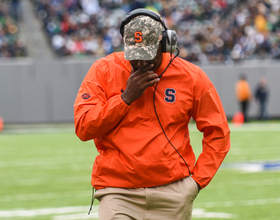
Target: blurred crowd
209,31
11,45
249,30
91,27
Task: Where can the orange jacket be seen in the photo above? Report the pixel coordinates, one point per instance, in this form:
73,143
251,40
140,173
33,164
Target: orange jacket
243,91
134,151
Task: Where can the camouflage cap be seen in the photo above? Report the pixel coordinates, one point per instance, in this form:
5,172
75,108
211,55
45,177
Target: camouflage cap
141,38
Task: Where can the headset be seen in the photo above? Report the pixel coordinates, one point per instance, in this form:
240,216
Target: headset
169,37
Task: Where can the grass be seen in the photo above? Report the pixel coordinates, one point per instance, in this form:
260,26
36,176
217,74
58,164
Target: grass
47,166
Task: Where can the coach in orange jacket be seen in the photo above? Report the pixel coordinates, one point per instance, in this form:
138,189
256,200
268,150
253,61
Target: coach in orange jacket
136,105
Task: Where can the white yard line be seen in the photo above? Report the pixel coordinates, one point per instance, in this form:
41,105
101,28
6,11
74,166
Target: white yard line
253,166
44,196
201,213
45,211
197,213
80,212
77,216
252,202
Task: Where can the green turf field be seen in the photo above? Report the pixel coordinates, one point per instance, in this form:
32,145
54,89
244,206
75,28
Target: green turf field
45,174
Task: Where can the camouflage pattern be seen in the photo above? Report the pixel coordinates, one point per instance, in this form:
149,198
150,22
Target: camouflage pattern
151,36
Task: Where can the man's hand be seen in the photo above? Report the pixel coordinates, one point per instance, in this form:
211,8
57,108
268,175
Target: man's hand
138,82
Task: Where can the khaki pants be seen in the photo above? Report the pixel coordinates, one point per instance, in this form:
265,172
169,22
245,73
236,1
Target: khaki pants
173,201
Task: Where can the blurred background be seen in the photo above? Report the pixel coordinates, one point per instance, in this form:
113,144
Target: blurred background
47,47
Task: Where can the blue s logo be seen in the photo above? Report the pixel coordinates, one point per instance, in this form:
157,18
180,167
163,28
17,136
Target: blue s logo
170,95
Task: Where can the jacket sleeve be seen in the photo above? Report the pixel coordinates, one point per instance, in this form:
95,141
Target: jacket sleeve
94,113
211,120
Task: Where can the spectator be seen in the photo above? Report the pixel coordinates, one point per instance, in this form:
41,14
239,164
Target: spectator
10,43
243,95
261,95
16,8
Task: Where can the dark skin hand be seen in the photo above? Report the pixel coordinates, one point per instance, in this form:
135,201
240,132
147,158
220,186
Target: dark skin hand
141,77
138,82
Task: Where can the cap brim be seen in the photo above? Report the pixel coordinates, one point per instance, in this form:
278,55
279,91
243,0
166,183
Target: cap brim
140,53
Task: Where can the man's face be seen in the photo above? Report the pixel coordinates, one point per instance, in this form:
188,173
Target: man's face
139,64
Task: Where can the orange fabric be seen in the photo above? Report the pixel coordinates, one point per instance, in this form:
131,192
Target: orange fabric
243,91
134,151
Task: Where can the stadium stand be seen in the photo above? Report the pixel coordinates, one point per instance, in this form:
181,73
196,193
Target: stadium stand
209,31
11,45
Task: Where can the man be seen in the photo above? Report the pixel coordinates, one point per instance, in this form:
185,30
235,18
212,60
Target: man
243,95
136,105
261,95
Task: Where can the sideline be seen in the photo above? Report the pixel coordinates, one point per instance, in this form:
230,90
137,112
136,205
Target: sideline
80,212
251,202
46,211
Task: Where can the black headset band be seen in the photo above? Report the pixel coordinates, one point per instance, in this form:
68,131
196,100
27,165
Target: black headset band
138,12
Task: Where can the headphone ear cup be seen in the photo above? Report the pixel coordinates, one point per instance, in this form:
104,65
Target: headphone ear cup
169,41
163,42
